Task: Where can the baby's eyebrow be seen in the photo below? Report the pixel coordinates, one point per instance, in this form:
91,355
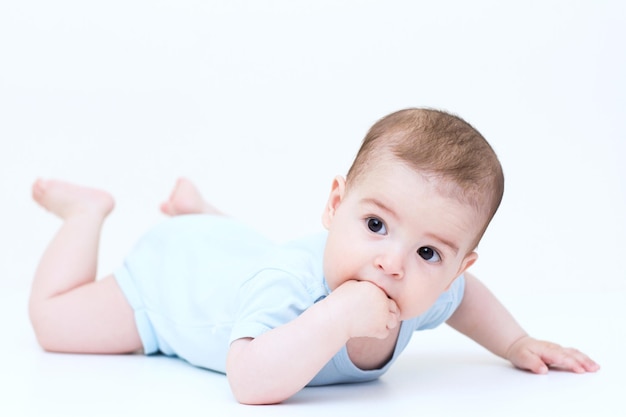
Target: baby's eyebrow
451,245
376,202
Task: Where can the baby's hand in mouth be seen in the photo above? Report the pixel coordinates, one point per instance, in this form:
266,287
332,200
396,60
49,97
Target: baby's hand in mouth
367,308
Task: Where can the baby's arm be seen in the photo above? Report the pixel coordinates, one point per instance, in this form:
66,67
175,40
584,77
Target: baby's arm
484,319
280,362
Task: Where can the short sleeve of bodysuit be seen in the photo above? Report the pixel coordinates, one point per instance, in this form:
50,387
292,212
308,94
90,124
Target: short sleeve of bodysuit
271,298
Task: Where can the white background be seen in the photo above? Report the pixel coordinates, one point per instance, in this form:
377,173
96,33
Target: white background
262,103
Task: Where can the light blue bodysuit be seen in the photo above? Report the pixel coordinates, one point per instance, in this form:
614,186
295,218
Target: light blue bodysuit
198,282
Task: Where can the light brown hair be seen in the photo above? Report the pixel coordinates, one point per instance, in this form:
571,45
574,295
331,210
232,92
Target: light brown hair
441,146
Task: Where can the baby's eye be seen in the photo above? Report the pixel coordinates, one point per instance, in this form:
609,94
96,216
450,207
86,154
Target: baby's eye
376,225
429,254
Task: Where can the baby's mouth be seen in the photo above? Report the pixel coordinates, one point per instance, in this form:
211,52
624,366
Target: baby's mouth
383,290
379,287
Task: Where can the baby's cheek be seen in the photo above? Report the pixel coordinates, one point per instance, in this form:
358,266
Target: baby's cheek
417,305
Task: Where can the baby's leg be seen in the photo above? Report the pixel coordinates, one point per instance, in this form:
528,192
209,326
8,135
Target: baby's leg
186,199
70,311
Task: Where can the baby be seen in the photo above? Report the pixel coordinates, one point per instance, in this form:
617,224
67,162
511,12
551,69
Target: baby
401,231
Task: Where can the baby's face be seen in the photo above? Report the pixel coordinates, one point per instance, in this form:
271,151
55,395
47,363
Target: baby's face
395,230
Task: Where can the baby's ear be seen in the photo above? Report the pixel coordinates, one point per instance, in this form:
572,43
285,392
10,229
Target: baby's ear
334,199
468,261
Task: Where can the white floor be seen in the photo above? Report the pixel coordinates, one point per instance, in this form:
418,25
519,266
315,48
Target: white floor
440,374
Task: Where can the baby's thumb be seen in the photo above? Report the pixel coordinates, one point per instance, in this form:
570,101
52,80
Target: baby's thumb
531,361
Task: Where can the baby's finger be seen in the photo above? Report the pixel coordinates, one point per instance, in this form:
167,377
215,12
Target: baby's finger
393,307
394,315
577,361
569,359
526,359
589,364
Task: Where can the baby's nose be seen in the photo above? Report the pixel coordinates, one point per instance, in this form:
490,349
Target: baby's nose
391,264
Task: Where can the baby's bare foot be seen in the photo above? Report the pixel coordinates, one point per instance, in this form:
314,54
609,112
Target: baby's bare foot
67,200
186,199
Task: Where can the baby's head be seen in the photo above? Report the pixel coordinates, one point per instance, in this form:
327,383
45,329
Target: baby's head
418,198
415,203
443,148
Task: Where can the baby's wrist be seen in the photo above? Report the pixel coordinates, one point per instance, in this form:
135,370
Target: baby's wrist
335,314
515,345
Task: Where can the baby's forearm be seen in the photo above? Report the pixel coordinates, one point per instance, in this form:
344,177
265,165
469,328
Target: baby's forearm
485,320
279,363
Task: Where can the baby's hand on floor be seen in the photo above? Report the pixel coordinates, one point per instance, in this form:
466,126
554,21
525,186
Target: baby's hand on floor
537,355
